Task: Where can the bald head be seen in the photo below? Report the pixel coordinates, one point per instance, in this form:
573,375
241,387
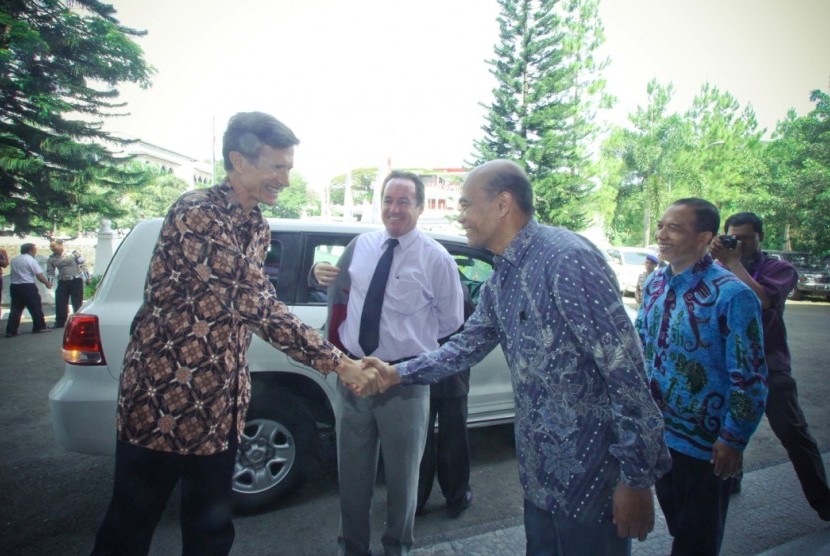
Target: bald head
500,175
496,202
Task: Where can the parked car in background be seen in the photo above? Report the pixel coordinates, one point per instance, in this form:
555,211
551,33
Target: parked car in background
291,417
628,263
813,274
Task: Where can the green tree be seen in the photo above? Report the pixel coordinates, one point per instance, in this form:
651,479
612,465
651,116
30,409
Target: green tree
797,208
655,166
713,151
294,201
541,115
153,199
362,182
726,163
60,64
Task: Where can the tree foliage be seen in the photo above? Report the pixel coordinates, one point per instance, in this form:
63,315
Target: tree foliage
713,151
295,201
153,199
362,183
541,115
797,199
60,64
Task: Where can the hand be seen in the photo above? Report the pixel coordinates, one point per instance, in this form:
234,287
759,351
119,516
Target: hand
726,256
633,512
325,273
727,460
360,380
389,374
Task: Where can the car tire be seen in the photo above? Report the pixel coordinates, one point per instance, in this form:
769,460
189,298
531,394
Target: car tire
796,294
276,452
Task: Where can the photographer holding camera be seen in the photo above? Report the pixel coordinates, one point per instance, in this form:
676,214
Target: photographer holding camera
771,280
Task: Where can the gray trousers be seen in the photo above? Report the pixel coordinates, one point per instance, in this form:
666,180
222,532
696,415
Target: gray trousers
397,421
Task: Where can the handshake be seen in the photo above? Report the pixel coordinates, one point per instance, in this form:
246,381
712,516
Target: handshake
368,376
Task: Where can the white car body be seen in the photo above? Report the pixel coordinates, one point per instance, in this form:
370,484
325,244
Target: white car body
83,402
628,263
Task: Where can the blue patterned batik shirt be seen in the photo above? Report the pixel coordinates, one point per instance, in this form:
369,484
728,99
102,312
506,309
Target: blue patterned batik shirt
584,417
704,350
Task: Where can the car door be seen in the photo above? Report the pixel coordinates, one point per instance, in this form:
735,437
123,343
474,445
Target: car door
491,392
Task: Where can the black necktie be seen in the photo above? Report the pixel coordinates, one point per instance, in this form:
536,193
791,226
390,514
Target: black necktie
369,337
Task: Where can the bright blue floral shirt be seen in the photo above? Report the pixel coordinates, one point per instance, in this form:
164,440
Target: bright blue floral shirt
704,349
584,417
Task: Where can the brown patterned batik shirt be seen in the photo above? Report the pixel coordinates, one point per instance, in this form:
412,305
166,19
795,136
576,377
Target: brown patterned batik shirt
185,371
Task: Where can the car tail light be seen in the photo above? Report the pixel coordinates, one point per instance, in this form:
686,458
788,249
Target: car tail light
82,341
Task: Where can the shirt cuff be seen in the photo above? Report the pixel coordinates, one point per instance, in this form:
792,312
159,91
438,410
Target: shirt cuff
404,372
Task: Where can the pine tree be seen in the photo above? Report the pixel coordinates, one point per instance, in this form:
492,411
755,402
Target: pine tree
541,115
60,63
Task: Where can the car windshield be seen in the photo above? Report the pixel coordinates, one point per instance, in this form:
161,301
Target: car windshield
634,258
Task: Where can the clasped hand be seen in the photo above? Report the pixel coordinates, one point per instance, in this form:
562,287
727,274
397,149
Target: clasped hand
368,377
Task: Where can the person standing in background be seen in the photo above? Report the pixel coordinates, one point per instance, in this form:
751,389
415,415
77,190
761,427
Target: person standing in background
70,273
771,280
25,271
650,264
447,450
4,262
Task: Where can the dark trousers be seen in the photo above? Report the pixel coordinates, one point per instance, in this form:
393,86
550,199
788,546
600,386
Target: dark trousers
68,290
25,296
694,502
548,535
447,452
788,423
144,480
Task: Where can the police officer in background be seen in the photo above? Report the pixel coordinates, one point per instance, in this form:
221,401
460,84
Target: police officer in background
71,274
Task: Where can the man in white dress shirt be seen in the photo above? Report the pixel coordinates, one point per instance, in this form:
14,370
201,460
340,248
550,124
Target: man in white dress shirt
23,291
419,300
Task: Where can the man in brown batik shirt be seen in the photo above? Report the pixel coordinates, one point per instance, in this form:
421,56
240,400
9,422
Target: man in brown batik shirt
185,384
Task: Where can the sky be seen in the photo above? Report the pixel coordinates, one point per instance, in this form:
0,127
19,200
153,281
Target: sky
363,82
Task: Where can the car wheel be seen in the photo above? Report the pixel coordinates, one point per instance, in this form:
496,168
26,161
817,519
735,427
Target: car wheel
796,294
276,451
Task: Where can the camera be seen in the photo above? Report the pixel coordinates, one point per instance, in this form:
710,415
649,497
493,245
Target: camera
730,242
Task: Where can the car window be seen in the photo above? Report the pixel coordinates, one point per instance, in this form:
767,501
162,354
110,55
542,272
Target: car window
327,253
474,268
318,248
281,265
272,263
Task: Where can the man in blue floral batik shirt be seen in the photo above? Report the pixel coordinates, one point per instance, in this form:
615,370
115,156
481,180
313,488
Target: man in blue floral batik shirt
704,349
589,437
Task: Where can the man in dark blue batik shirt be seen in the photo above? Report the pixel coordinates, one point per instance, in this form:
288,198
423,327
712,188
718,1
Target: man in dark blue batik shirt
589,437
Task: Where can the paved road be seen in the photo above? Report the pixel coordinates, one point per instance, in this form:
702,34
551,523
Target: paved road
51,501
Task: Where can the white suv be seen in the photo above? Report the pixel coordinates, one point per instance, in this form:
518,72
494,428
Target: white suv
291,416
628,263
